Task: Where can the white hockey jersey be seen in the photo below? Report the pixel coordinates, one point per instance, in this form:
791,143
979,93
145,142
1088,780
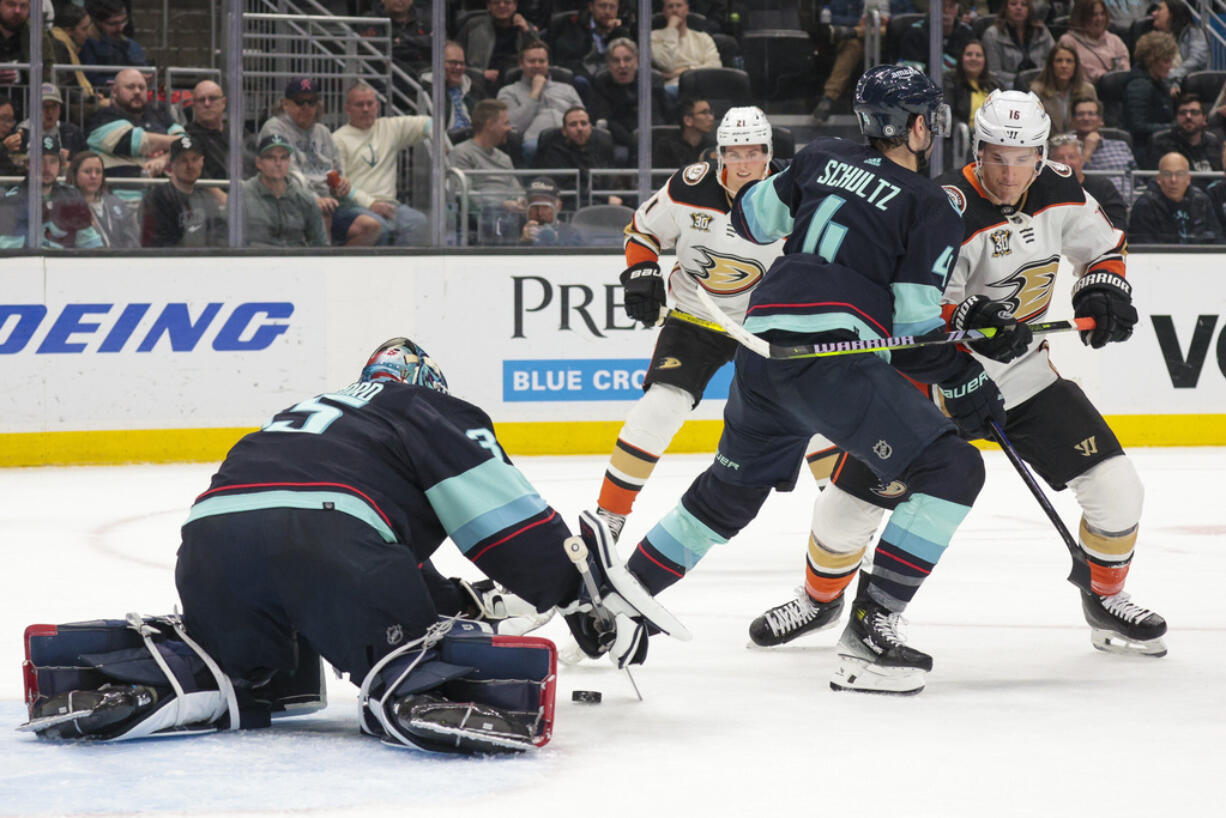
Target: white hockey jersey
690,214
1012,255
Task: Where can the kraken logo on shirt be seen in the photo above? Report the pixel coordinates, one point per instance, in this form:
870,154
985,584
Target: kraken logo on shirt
1031,287
726,274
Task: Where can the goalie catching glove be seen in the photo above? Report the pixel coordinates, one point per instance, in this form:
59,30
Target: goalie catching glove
613,614
1107,298
1011,339
645,295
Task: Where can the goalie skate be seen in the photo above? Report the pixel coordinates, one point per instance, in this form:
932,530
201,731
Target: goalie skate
462,727
796,617
873,656
1119,625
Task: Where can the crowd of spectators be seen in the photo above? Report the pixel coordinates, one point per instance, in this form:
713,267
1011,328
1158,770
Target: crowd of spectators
534,87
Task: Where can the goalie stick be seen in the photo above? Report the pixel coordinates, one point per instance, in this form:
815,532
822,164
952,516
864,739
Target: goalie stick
1080,573
790,352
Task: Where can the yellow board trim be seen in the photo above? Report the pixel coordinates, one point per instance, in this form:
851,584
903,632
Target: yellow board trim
581,437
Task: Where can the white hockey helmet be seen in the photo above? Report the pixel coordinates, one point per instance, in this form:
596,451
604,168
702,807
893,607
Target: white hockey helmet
1014,119
746,125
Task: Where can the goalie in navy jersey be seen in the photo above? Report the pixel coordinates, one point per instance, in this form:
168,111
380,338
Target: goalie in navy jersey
1020,215
313,540
869,245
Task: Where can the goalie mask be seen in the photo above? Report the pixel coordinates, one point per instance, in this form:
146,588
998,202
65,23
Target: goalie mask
743,126
403,361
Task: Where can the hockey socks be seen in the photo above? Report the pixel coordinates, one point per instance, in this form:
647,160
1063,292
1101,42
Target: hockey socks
649,428
628,471
828,573
1108,556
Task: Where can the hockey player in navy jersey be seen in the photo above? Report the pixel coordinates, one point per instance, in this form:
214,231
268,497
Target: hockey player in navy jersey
690,214
1020,214
870,245
313,539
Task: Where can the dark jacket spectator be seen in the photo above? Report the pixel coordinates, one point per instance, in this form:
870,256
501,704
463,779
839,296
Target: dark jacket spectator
1157,218
180,214
71,137
15,47
72,28
8,128
1190,136
1067,150
578,145
492,41
131,130
1217,195
210,131
66,222
689,143
955,34
410,33
615,98
968,85
464,89
580,40
111,46
1148,107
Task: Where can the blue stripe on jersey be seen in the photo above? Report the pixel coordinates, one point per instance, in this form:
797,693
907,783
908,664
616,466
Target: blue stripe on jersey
251,501
483,501
683,538
917,308
766,215
105,138
923,525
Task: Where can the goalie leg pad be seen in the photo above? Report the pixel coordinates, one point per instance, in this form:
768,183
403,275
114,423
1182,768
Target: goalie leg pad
462,689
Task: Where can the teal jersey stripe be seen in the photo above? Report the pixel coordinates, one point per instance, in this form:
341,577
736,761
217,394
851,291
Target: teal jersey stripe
810,323
491,522
252,501
917,308
106,137
924,525
682,538
767,217
481,490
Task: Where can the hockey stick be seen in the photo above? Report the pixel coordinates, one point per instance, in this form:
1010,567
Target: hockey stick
1080,573
785,352
576,549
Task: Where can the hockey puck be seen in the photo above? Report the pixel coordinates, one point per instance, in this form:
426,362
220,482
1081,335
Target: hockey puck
586,696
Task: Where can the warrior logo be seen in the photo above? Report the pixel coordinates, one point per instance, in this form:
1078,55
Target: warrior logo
1000,243
1030,288
726,274
1087,447
883,450
701,221
395,635
895,488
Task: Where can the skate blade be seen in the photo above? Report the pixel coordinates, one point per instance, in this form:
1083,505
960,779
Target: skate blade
1112,642
862,676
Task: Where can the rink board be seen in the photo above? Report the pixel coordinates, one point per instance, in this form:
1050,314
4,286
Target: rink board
144,359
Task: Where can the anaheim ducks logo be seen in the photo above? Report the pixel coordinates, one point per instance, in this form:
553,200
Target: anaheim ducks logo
1031,288
726,274
895,488
668,363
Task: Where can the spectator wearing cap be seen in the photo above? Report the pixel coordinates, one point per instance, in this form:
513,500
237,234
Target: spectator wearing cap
132,134
110,46
317,165
72,138
368,148
208,130
279,210
543,228
66,216
179,214
15,41
578,149
536,102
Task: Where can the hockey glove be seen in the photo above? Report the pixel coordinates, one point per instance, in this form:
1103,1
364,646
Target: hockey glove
506,613
1107,298
972,400
1012,339
645,296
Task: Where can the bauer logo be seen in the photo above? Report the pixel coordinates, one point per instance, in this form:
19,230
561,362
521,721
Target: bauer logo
589,379
174,327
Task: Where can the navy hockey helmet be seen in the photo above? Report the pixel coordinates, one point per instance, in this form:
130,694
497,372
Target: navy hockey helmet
888,95
403,361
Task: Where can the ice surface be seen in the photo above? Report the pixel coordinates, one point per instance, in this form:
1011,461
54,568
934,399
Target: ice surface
1020,717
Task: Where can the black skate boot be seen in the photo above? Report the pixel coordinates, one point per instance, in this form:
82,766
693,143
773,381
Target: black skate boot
1118,625
796,617
873,656
614,522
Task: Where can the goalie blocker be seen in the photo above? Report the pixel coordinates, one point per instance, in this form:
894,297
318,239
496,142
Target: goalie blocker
458,689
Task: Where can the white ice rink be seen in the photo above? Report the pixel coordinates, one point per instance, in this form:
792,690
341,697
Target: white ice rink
1021,717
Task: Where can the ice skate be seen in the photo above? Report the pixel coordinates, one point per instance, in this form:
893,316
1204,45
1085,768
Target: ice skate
1118,625
614,522
796,617
873,656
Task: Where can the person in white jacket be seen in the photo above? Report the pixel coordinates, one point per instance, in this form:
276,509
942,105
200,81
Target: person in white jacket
368,148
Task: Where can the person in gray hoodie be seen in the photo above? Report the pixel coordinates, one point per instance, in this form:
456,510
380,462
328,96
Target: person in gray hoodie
316,164
536,102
